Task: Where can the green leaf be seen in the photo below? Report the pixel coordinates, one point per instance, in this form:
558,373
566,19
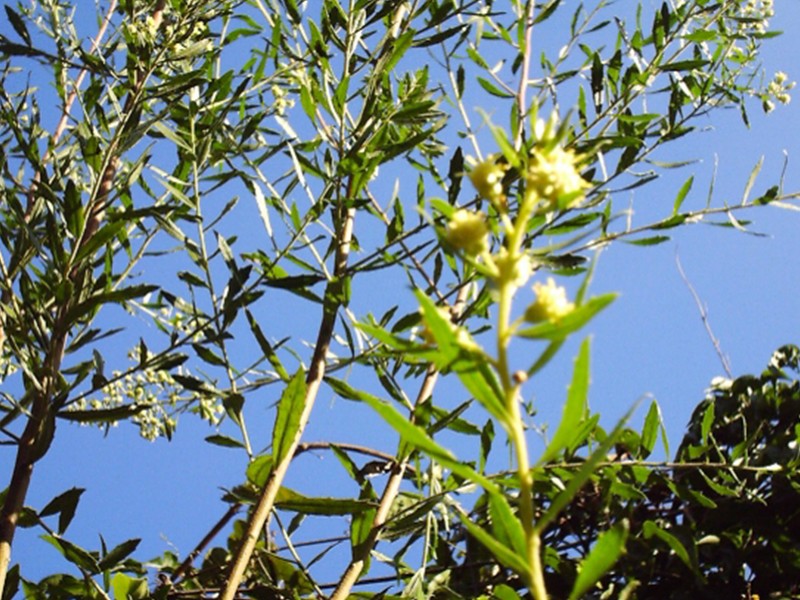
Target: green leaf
12,583
259,470
287,420
652,424
604,554
266,347
587,469
126,587
291,500
682,193
18,24
684,65
650,529
481,382
224,441
65,505
648,241
558,330
493,89
506,526
209,356
79,557
504,592
102,415
419,438
575,409
507,556
119,553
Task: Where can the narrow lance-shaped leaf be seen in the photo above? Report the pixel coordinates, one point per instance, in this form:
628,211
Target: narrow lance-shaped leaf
575,408
507,556
505,524
584,473
287,421
682,193
602,557
417,437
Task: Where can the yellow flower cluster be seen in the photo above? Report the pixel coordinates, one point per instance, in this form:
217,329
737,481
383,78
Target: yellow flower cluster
553,179
551,303
487,177
468,231
779,89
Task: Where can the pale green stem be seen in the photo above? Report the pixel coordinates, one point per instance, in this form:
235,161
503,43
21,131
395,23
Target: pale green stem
515,424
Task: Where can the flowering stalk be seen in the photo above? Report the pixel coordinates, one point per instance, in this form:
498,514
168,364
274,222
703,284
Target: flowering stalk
550,181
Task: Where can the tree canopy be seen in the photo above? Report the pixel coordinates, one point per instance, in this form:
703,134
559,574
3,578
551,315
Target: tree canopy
212,205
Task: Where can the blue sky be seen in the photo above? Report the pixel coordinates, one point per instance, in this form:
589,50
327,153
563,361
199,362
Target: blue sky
649,343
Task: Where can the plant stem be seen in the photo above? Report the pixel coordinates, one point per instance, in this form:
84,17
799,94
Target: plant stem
316,372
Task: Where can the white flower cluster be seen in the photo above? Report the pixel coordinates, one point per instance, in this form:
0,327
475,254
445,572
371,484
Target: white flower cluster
778,89
157,395
142,32
185,38
754,16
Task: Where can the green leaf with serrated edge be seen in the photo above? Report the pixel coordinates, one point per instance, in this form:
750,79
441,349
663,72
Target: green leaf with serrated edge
569,323
505,555
652,423
584,473
506,526
608,548
287,420
65,505
575,408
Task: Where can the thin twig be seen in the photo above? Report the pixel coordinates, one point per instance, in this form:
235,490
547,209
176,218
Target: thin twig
704,317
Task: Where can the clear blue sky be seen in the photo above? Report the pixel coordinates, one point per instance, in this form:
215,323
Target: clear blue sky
650,342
